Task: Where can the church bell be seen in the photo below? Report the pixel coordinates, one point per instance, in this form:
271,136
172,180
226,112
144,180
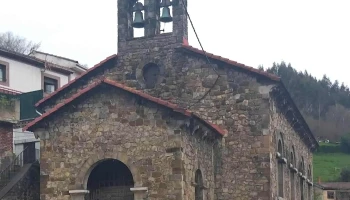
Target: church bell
166,16
138,20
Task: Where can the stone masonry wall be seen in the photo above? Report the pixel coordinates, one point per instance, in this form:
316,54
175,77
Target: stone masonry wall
292,142
199,155
237,103
109,122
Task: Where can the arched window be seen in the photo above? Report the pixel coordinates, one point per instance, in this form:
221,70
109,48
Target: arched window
280,167
302,172
199,185
309,176
292,174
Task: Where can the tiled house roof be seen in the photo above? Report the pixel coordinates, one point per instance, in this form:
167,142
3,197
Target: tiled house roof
4,90
33,61
158,101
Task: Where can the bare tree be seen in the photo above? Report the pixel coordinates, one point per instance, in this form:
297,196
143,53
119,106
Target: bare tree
16,43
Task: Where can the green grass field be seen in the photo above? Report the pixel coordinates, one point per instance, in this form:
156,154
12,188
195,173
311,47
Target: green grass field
328,165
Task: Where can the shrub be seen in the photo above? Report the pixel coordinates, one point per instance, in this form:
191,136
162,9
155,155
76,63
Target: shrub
345,143
345,175
329,149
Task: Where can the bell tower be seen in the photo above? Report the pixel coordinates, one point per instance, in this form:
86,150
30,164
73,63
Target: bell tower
149,17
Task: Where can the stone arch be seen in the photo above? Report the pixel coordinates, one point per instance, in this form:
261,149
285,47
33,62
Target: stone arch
280,144
85,171
199,194
206,182
140,70
280,168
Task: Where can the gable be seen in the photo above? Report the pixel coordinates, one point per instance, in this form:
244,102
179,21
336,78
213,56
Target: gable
92,89
73,83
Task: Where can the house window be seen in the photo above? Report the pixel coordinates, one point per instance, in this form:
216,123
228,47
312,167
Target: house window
4,73
330,194
50,83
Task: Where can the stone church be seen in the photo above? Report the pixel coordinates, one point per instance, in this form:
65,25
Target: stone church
165,121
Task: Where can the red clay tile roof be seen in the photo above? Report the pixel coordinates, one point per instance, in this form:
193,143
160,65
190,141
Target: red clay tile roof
185,46
158,101
4,90
231,62
76,79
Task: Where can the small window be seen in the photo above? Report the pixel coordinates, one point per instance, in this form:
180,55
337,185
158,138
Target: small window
4,73
50,85
198,190
151,74
330,195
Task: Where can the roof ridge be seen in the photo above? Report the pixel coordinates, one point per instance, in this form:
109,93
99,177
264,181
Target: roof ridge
142,94
232,62
77,78
69,59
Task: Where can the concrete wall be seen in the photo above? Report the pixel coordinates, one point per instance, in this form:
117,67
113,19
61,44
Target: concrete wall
10,111
23,77
26,78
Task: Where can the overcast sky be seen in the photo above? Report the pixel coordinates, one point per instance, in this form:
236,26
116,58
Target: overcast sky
310,34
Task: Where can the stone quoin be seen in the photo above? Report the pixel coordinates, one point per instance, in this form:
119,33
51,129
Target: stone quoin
164,120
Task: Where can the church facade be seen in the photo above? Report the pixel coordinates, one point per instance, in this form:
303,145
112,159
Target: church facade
163,120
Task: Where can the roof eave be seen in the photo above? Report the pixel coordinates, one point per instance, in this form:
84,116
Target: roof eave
22,58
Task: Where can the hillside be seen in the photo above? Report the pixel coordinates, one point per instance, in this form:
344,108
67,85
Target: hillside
324,104
328,166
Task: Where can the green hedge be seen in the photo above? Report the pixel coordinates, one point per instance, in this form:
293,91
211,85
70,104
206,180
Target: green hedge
329,149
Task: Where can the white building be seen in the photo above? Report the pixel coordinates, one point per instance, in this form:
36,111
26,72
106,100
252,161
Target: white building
40,72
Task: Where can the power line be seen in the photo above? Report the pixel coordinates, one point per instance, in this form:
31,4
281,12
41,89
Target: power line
205,54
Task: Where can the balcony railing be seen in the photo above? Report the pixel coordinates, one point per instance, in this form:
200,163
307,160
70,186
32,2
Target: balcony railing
27,156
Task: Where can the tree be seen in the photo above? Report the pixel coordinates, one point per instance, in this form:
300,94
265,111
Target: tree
345,175
16,43
345,143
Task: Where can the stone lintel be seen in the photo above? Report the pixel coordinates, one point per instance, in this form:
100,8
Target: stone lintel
140,193
79,192
139,189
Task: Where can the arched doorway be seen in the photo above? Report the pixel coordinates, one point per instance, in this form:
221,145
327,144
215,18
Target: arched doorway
110,179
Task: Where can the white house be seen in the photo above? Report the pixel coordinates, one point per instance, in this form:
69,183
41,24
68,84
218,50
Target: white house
37,74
